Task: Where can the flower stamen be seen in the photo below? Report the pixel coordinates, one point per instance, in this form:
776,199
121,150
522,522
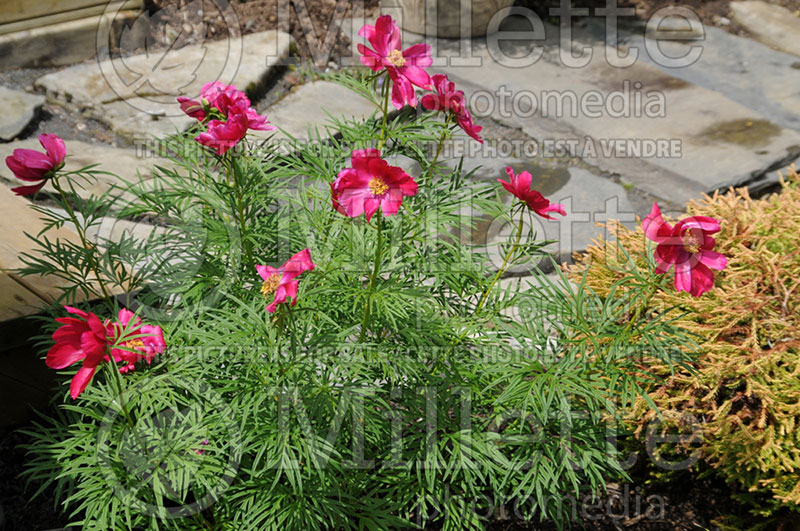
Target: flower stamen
378,187
396,58
691,243
134,344
271,284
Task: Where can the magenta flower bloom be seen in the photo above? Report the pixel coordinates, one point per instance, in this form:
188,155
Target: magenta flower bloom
80,339
689,247
405,67
282,281
225,99
32,166
447,98
221,136
369,185
520,186
141,342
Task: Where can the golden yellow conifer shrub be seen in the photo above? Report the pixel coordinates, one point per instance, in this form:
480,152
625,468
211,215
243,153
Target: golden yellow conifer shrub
746,388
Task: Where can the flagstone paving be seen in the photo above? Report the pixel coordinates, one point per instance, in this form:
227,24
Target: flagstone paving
709,141
740,69
313,106
136,95
771,24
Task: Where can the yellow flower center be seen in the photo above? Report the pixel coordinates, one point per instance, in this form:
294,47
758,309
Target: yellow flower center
396,58
377,186
271,284
691,243
135,344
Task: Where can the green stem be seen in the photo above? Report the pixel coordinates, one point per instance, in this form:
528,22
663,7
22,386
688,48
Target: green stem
505,262
86,245
385,109
248,248
375,272
442,138
119,388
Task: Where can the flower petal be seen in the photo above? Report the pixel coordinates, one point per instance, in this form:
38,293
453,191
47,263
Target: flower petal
713,259
80,381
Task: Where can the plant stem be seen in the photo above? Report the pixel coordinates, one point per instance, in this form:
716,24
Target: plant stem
86,245
385,109
505,262
375,272
438,148
233,167
119,387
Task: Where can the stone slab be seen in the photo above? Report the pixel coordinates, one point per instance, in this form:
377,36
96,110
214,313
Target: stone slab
132,93
126,164
771,24
19,108
312,106
739,68
720,141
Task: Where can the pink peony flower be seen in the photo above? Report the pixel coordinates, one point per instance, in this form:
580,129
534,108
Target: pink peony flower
224,99
689,247
145,341
282,281
80,339
213,95
30,165
447,98
520,186
405,67
221,136
370,184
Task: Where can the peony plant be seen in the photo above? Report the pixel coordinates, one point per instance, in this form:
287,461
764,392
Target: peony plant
393,381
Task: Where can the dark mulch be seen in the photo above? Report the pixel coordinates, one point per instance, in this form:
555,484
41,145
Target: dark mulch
17,510
193,17
710,12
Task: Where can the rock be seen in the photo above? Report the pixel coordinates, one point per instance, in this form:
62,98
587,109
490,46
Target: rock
311,106
139,127
129,165
771,24
742,70
19,108
666,136
678,28
131,94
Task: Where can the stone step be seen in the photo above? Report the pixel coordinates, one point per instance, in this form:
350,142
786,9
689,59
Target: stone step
135,95
310,107
742,70
707,141
771,24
